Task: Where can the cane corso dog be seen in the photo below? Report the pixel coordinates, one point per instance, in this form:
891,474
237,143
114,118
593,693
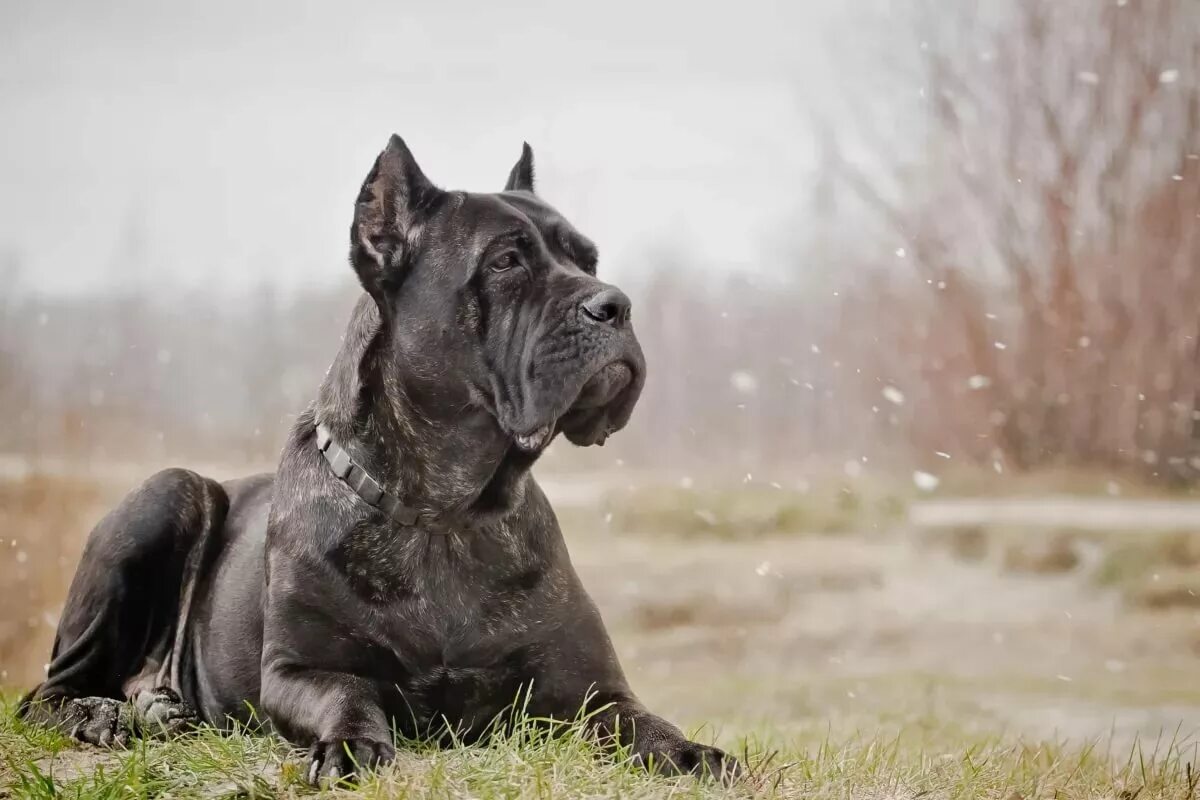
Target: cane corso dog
402,572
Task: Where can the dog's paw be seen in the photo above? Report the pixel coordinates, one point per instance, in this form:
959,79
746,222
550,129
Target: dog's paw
162,712
341,759
101,721
691,758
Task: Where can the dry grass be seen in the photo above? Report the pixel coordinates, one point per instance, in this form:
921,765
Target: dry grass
45,522
750,511
969,481
827,503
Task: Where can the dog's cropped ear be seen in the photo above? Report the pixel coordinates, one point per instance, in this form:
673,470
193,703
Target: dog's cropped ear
521,177
387,217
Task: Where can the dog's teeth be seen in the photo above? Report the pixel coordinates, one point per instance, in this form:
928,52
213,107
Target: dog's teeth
532,441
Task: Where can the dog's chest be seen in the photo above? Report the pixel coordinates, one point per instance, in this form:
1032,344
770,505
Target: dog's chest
444,598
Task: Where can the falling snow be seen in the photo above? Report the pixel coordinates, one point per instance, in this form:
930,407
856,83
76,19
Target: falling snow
744,382
925,481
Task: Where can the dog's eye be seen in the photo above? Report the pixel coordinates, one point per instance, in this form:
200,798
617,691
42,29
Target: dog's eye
506,262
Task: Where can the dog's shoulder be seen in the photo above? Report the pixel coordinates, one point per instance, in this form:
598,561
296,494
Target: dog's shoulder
310,507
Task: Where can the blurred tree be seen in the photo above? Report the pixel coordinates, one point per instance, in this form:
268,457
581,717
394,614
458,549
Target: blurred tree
1050,221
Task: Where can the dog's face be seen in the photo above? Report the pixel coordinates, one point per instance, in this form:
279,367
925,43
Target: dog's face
493,300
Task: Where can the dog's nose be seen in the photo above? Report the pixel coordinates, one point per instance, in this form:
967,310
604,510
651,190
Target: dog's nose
609,307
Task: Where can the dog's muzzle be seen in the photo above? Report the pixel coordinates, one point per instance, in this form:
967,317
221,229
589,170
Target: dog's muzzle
604,404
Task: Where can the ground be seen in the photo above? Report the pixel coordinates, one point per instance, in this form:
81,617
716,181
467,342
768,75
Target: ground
843,652
523,765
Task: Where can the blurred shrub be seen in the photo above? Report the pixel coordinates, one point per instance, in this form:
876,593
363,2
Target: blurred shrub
1153,570
1021,551
1165,591
1148,569
1046,555
971,543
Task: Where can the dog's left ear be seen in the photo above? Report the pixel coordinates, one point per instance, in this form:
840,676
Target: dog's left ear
521,177
387,218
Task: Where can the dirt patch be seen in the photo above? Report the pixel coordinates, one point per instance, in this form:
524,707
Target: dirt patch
75,764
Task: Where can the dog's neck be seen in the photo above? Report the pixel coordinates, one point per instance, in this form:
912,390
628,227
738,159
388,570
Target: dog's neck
448,457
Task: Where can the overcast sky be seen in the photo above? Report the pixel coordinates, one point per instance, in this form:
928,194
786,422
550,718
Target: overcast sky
224,142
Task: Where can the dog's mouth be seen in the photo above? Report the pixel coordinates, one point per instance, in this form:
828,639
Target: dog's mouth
603,388
601,408
536,440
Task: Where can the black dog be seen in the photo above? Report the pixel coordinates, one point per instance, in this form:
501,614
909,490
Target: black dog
402,570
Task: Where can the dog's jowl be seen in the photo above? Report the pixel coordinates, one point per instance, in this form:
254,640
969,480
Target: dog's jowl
401,572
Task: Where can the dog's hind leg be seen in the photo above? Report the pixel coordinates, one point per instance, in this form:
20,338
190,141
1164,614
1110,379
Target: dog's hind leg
117,631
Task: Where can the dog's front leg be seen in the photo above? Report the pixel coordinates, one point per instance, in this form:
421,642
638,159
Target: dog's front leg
657,743
311,688
309,691
338,714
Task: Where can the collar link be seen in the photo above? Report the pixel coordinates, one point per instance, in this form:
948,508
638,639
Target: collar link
364,485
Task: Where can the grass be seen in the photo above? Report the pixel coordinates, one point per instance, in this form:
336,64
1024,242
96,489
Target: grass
528,762
828,503
749,511
974,481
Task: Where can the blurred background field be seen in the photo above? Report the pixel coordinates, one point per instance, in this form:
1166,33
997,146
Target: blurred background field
883,255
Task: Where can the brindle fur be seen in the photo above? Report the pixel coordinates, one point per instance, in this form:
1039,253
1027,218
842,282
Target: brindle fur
481,320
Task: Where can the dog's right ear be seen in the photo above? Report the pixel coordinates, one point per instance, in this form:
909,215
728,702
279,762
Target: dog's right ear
520,178
387,218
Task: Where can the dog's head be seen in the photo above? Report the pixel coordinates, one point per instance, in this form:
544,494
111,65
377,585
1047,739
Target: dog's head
494,297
